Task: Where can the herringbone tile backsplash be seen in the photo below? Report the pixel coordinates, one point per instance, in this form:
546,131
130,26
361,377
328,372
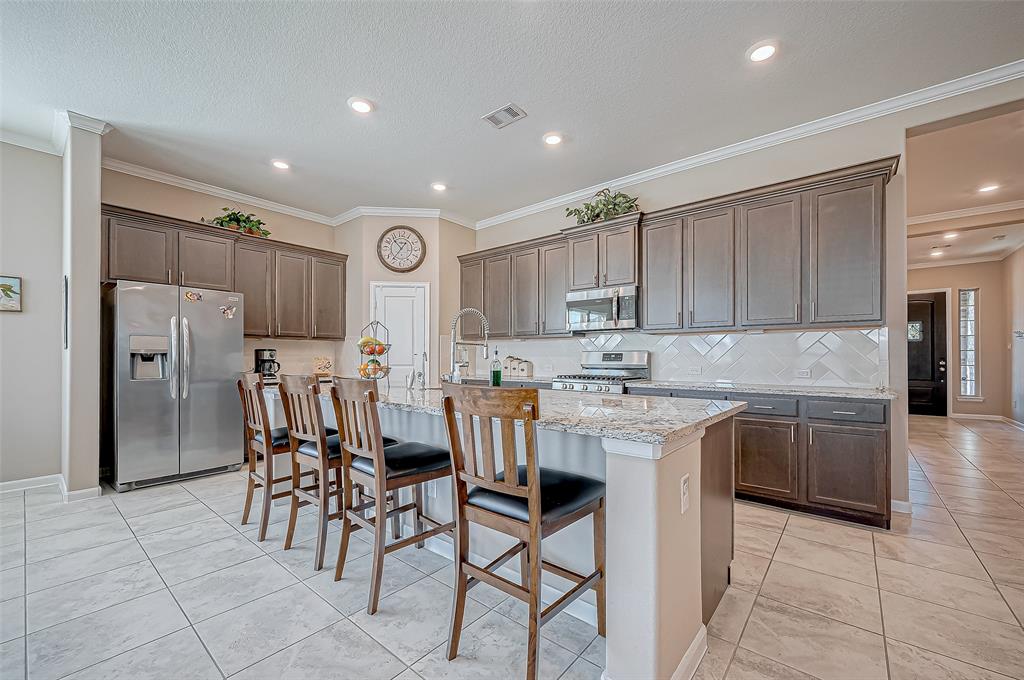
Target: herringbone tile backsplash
848,358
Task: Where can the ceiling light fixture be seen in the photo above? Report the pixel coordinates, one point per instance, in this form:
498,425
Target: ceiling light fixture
761,51
437,186
999,237
988,187
950,235
360,105
552,138
937,253
281,165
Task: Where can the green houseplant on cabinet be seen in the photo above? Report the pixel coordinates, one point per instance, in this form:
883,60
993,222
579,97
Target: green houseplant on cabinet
239,221
605,206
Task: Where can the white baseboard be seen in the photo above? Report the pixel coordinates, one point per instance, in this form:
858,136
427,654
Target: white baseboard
1014,423
975,416
78,494
31,483
903,507
687,667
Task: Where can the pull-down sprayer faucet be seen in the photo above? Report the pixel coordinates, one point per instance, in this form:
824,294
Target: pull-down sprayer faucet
458,342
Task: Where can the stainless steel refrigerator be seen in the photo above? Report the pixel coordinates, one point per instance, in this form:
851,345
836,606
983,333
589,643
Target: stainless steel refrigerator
170,406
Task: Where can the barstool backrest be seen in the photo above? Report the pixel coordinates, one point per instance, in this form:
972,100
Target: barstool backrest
300,396
355,409
483,405
254,410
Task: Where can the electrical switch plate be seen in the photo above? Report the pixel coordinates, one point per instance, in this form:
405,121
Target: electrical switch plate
803,373
684,494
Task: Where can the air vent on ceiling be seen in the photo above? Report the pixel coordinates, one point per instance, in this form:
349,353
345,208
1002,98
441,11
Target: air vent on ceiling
506,115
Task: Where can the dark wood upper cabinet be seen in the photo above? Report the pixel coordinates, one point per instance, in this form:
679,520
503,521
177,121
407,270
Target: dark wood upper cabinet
847,467
554,284
498,294
770,262
526,292
254,278
472,295
767,457
711,269
662,293
206,261
291,298
328,298
617,256
845,252
141,251
583,262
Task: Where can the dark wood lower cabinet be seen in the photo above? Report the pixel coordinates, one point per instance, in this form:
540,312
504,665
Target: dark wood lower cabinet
767,457
847,467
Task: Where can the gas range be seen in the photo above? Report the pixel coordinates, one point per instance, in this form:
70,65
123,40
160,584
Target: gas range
606,372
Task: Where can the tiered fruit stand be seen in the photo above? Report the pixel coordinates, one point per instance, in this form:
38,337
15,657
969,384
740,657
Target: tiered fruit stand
374,351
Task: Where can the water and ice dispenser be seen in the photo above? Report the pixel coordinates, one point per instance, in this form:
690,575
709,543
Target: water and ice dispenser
148,356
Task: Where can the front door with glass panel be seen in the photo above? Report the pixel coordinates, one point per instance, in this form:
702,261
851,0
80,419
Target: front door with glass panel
926,353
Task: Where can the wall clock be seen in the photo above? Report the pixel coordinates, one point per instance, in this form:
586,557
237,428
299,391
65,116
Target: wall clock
401,248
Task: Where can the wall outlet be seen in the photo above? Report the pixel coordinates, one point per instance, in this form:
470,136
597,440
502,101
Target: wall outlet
803,373
684,494
693,370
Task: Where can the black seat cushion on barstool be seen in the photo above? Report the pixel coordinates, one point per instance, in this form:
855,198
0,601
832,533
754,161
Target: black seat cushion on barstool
561,494
334,445
279,436
407,458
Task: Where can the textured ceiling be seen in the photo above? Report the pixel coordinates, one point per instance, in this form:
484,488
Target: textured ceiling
968,244
212,91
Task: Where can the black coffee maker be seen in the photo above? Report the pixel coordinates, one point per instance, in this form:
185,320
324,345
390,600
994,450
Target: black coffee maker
266,364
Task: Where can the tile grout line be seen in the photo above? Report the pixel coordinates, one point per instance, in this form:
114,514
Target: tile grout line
881,611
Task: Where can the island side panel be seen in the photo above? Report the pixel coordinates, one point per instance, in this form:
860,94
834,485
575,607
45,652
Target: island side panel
716,513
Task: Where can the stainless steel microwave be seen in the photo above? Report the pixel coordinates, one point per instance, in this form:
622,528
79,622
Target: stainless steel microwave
602,309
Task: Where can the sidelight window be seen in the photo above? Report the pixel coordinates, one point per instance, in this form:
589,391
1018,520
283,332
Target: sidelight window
969,342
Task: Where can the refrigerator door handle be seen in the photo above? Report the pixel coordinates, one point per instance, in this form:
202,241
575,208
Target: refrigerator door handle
173,373
186,350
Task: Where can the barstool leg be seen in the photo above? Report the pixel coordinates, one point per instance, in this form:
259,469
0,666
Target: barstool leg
396,520
268,495
380,529
293,513
324,509
417,497
524,568
461,579
599,566
533,641
345,501
249,488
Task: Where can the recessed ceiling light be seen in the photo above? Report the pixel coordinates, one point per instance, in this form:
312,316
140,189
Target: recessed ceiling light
988,187
937,253
437,186
950,235
761,51
552,138
999,237
281,165
360,105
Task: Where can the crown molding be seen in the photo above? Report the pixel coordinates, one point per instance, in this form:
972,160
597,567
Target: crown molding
26,142
77,120
962,260
966,212
952,88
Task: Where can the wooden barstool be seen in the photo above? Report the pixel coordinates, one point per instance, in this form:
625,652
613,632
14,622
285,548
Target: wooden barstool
530,505
384,470
256,424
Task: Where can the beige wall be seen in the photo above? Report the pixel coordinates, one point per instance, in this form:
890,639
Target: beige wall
30,341
849,145
1013,283
987,277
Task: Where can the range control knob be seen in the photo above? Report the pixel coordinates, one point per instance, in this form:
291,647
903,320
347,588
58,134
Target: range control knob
584,387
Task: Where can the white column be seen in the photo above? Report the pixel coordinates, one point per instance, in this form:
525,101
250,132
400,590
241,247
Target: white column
653,561
80,360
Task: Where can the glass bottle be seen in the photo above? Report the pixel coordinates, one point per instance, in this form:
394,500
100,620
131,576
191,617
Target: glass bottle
496,370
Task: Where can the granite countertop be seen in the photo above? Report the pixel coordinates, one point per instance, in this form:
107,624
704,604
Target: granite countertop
652,420
754,388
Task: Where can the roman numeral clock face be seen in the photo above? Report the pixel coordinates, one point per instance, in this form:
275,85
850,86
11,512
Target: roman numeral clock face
401,249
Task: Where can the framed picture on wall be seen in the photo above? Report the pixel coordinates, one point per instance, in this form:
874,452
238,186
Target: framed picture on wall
10,293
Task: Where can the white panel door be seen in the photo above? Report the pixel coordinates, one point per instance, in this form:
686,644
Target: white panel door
402,307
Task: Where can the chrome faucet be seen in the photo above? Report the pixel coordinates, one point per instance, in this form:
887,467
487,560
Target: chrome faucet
458,342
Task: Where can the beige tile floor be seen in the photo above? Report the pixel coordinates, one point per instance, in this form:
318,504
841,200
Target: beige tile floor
940,596
166,583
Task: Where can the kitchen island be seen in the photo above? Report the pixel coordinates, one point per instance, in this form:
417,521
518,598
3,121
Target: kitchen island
667,464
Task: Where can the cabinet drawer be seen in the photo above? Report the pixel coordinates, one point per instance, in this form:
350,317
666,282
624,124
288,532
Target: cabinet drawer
846,410
649,392
700,394
767,406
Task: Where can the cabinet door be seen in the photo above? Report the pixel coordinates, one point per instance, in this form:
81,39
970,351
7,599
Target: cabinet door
472,295
328,295
847,467
767,457
662,297
845,243
526,292
139,251
711,276
498,294
254,270
554,284
617,256
291,294
583,262
205,261
769,262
